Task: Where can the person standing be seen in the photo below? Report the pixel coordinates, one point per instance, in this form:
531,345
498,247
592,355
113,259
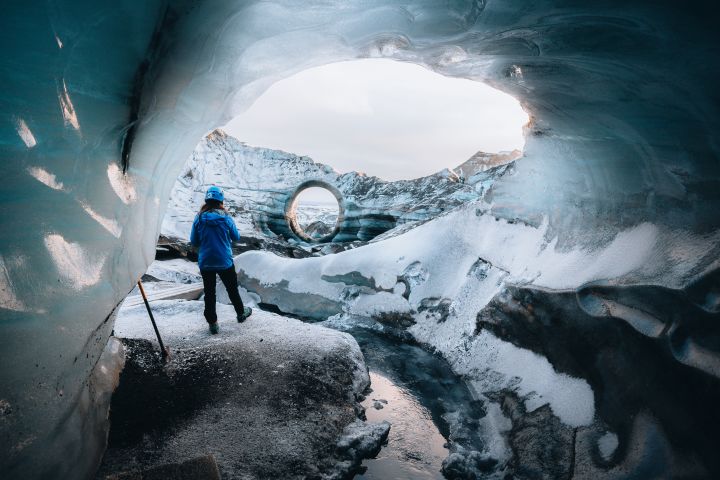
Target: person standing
213,232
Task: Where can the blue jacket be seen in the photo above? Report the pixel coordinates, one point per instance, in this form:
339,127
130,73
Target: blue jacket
214,231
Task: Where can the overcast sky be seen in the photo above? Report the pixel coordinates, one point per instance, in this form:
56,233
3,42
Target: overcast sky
381,117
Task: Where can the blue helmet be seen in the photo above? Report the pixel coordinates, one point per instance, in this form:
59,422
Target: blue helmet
215,193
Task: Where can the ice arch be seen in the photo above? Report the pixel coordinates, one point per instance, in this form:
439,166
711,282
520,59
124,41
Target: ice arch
292,221
102,102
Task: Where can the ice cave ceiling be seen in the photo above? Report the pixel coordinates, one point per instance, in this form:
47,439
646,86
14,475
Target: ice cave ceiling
102,103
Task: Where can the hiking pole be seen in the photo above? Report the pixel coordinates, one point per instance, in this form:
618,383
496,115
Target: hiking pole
164,351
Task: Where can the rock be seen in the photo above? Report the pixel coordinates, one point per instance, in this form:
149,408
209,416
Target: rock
359,440
200,468
543,447
269,398
318,229
467,465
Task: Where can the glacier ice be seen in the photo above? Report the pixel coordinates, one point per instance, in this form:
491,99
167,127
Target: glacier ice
103,103
261,184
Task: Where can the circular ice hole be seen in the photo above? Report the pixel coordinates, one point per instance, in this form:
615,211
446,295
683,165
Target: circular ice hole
315,212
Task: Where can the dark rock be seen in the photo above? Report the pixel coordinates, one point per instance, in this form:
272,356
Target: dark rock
639,349
467,465
200,468
318,229
401,320
543,447
437,307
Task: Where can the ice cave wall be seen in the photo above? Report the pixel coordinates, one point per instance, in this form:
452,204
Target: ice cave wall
104,101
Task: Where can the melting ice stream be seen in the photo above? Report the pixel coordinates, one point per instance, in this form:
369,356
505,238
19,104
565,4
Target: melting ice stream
412,389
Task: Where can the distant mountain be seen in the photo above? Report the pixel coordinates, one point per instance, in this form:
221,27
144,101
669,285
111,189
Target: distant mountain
483,161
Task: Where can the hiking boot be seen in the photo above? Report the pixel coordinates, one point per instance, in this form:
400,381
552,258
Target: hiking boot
214,329
247,311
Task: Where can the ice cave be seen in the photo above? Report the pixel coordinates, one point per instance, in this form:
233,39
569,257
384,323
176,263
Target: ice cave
554,313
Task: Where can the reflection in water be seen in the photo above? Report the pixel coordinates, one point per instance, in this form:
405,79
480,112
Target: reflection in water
421,392
415,447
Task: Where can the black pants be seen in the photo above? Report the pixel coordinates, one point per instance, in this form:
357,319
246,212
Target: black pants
229,279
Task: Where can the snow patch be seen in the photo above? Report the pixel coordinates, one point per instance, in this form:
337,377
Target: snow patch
494,364
607,444
176,270
456,264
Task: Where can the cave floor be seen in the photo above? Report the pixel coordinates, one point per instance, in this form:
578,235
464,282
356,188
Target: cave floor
268,398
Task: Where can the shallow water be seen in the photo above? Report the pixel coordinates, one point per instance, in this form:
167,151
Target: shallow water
419,388
415,448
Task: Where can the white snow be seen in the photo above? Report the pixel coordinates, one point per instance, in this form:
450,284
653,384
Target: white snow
182,325
607,444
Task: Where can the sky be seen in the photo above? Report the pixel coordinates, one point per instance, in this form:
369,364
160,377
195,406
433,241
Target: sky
382,117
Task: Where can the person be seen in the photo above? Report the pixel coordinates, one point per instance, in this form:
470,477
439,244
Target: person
213,232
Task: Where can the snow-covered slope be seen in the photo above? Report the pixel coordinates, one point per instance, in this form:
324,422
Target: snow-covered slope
459,283
258,183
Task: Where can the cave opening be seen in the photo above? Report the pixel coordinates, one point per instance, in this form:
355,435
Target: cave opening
382,117
377,130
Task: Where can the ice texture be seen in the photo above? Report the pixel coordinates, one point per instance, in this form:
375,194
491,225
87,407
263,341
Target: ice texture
492,252
103,102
